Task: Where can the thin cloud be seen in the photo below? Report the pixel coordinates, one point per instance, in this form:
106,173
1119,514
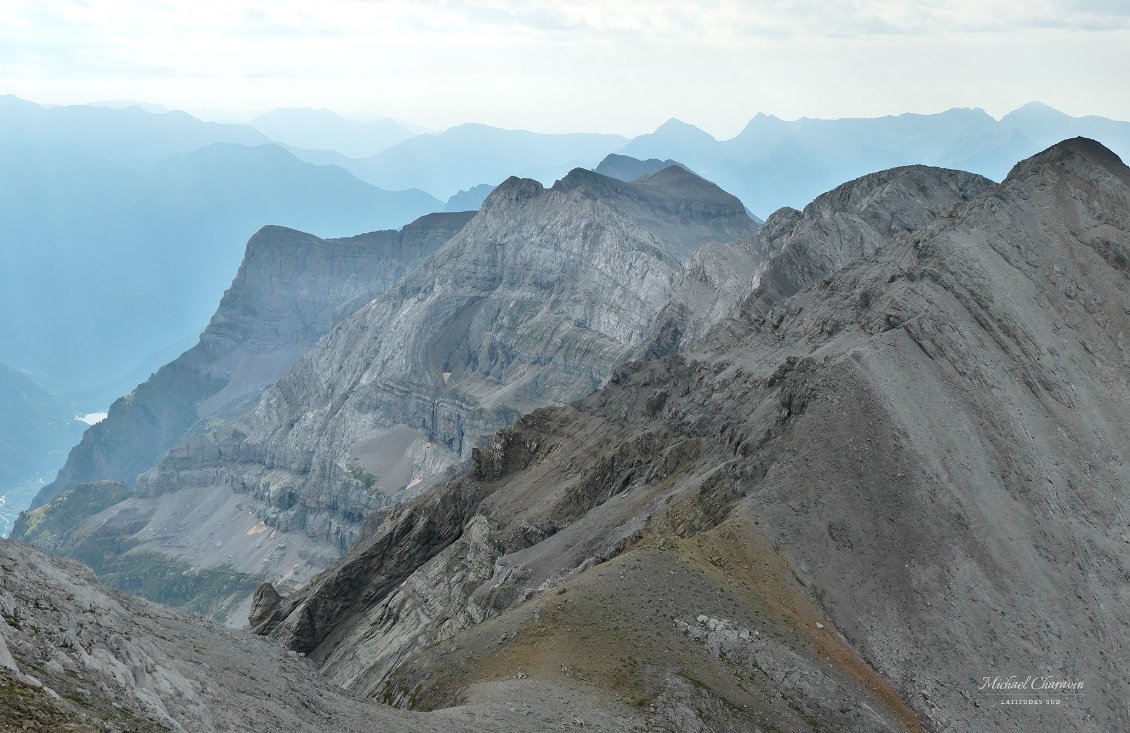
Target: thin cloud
561,64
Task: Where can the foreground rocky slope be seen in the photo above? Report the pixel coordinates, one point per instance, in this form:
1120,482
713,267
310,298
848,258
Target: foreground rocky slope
841,512
75,656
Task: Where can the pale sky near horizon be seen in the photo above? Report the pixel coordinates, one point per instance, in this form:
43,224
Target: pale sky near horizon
620,66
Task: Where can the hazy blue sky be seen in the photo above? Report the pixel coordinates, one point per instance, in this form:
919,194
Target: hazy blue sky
568,65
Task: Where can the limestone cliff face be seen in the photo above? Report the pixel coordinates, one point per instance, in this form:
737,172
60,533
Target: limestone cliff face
794,250
291,289
822,519
532,303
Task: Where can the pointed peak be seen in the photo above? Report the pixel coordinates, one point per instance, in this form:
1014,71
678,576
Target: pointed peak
1035,106
760,122
1035,111
678,127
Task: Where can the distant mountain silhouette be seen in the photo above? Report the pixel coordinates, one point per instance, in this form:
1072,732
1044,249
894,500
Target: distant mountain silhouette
35,433
627,168
128,136
323,129
771,163
774,163
464,156
470,199
112,251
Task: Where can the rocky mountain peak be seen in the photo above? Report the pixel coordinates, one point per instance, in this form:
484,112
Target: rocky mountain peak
794,250
291,289
681,209
674,124
512,191
1079,156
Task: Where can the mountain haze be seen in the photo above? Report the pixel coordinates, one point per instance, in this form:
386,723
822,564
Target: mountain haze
36,430
137,253
291,289
774,163
466,155
322,129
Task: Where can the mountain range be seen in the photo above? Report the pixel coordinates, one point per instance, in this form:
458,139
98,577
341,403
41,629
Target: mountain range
134,220
89,184
595,441
471,154
773,163
323,129
586,460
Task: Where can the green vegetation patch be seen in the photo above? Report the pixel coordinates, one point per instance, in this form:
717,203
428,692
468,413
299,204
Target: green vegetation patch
46,526
160,578
367,479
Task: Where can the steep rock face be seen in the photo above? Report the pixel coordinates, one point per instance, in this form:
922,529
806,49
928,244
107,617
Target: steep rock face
291,289
840,513
534,302
794,250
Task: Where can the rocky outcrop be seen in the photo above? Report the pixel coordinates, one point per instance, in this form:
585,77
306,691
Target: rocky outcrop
794,250
852,221
263,604
840,513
